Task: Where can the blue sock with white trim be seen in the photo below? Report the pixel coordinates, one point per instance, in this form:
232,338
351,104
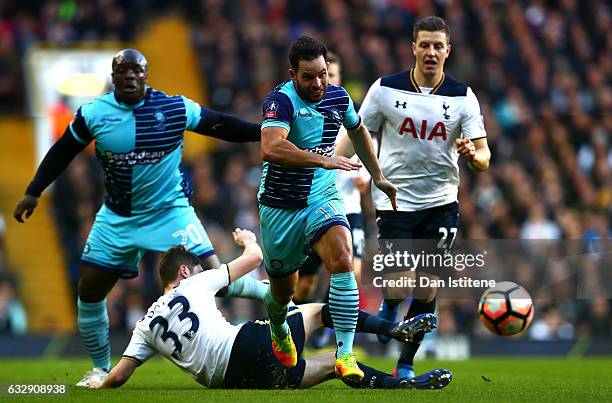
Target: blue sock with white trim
92,321
248,287
344,308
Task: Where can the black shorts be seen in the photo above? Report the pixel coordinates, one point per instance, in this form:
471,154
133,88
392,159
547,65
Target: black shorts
313,261
431,230
252,364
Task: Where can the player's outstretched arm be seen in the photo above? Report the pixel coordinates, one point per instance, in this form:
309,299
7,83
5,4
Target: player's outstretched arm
275,148
118,375
476,153
362,141
56,160
251,257
227,127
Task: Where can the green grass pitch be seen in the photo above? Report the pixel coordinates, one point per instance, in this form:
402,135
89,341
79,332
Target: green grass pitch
508,379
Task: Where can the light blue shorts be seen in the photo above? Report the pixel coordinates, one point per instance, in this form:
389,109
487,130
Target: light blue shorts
287,235
117,243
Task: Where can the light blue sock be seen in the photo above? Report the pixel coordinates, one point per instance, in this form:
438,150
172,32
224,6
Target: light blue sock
248,287
278,316
92,321
344,309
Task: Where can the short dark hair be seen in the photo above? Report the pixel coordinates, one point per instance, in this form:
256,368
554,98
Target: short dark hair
430,24
171,261
305,48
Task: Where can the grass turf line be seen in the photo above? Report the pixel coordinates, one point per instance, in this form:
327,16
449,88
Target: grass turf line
509,379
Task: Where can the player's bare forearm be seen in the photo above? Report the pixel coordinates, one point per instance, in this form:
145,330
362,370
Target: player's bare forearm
118,375
275,148
362,142
481,161
251,257
476,153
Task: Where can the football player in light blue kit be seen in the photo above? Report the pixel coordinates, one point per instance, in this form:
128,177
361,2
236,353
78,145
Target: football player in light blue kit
138,133
300,209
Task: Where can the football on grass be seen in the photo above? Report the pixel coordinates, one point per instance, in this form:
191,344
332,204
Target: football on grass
506,309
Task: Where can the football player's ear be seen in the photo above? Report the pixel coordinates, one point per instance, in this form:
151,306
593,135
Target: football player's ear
184,271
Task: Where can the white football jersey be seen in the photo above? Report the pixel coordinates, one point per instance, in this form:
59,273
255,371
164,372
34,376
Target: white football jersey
417,147
344,182
185,326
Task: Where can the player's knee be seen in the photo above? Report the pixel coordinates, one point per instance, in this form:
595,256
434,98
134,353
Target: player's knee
341,262
282,296
397,293
305,290
430,293
95,285
426,293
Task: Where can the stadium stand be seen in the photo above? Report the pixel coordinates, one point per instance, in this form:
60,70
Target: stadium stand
541,69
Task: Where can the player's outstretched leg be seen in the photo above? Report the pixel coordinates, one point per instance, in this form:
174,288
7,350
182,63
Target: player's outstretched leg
375,379
388,311
434,379
283,346
408,329
405,364
402,331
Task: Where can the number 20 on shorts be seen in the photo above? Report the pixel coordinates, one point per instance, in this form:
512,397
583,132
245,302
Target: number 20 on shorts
190,236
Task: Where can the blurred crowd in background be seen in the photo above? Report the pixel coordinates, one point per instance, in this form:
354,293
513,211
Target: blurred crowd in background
541,69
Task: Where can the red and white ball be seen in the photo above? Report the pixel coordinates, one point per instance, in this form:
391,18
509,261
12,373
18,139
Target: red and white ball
506,309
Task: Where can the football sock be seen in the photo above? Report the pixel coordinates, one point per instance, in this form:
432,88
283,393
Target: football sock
92,321
278,316
344,308
247,287
393,303
417,306
374,379
366,323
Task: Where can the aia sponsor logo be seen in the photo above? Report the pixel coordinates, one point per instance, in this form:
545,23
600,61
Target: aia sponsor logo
438,130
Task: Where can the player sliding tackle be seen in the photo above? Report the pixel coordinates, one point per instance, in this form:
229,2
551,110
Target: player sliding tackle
138,132
300,209
185,326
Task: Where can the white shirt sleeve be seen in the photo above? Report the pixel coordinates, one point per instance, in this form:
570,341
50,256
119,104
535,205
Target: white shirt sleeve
472,124
370,110
210,280
139,349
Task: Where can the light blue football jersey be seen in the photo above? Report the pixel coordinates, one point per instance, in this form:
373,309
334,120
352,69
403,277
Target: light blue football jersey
312,127
139,147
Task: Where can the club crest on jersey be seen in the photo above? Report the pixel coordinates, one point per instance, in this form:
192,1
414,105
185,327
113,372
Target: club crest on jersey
160,118
446,115
336,115
271,110
402,104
